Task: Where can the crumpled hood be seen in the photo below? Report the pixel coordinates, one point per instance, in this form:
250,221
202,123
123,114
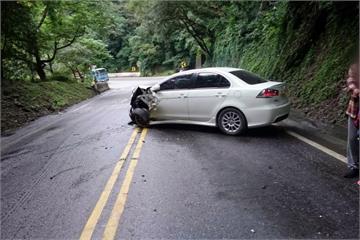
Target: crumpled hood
143,97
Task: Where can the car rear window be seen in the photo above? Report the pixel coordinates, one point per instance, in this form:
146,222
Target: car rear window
248,77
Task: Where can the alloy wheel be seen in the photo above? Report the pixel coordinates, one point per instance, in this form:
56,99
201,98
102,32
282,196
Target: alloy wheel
231,122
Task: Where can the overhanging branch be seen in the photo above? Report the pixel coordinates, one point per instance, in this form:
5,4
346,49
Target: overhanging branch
45,12
69,43
56,48
199,41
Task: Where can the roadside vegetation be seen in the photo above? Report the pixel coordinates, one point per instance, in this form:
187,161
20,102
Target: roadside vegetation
309,45
27,101
47,50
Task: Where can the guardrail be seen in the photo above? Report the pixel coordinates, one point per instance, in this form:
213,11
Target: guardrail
125,74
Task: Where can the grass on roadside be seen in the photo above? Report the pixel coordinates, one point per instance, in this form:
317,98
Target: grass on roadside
25,101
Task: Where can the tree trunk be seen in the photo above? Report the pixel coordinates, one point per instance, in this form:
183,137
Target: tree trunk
73,72
39,65
40,71
264,5
50,65
80,75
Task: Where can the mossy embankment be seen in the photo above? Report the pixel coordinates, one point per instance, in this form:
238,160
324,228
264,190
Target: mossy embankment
25,101
309,45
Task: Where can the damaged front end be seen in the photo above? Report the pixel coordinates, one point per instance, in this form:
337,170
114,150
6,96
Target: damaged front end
143,101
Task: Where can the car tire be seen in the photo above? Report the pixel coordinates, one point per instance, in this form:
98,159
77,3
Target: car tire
231,121
132,115
141,117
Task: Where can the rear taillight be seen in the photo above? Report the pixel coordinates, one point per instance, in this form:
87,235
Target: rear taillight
268,93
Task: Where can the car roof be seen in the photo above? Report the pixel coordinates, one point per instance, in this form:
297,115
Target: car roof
219,70
211,69
223,69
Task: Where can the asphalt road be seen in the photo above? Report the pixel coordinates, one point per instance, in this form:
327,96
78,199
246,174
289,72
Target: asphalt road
177,182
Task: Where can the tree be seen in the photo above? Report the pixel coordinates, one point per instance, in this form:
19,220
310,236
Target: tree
82,54
167,16
35,31
15,23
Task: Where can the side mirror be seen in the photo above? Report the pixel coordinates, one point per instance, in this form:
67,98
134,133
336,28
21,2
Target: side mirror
155,88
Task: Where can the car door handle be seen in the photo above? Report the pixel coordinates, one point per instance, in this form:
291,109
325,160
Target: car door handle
220,94
182,95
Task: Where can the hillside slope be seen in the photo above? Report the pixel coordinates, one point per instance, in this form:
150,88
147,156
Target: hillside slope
21,103
309,45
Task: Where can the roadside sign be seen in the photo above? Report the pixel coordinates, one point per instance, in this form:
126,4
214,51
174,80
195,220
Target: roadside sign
183,64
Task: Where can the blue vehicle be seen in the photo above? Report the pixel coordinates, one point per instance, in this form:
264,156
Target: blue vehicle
100,75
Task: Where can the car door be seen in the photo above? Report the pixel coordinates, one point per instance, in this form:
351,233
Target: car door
173,101
209,91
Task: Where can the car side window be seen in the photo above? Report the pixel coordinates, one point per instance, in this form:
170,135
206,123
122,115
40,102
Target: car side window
211,80
179,82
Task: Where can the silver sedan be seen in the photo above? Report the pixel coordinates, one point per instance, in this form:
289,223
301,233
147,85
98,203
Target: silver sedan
228,98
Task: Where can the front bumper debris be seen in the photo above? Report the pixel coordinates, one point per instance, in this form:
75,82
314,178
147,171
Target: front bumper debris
143,101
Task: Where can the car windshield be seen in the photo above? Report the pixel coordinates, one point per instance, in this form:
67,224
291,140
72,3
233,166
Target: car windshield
248,77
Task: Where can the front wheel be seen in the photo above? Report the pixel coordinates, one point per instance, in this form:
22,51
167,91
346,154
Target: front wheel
141,117
231,121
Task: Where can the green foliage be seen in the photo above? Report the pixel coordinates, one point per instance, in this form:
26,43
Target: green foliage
52,95
60,77
309,45
35,32
167,33
79,57
23,102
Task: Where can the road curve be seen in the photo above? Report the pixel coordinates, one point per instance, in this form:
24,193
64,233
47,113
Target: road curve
182,182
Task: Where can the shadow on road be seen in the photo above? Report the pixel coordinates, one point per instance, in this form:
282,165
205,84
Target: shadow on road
261,132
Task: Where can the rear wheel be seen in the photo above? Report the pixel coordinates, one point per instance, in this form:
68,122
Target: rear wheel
231,121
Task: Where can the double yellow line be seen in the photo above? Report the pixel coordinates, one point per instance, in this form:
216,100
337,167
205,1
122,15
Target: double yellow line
113,222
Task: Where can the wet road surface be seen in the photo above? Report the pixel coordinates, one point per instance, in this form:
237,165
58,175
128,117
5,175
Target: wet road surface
177,182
